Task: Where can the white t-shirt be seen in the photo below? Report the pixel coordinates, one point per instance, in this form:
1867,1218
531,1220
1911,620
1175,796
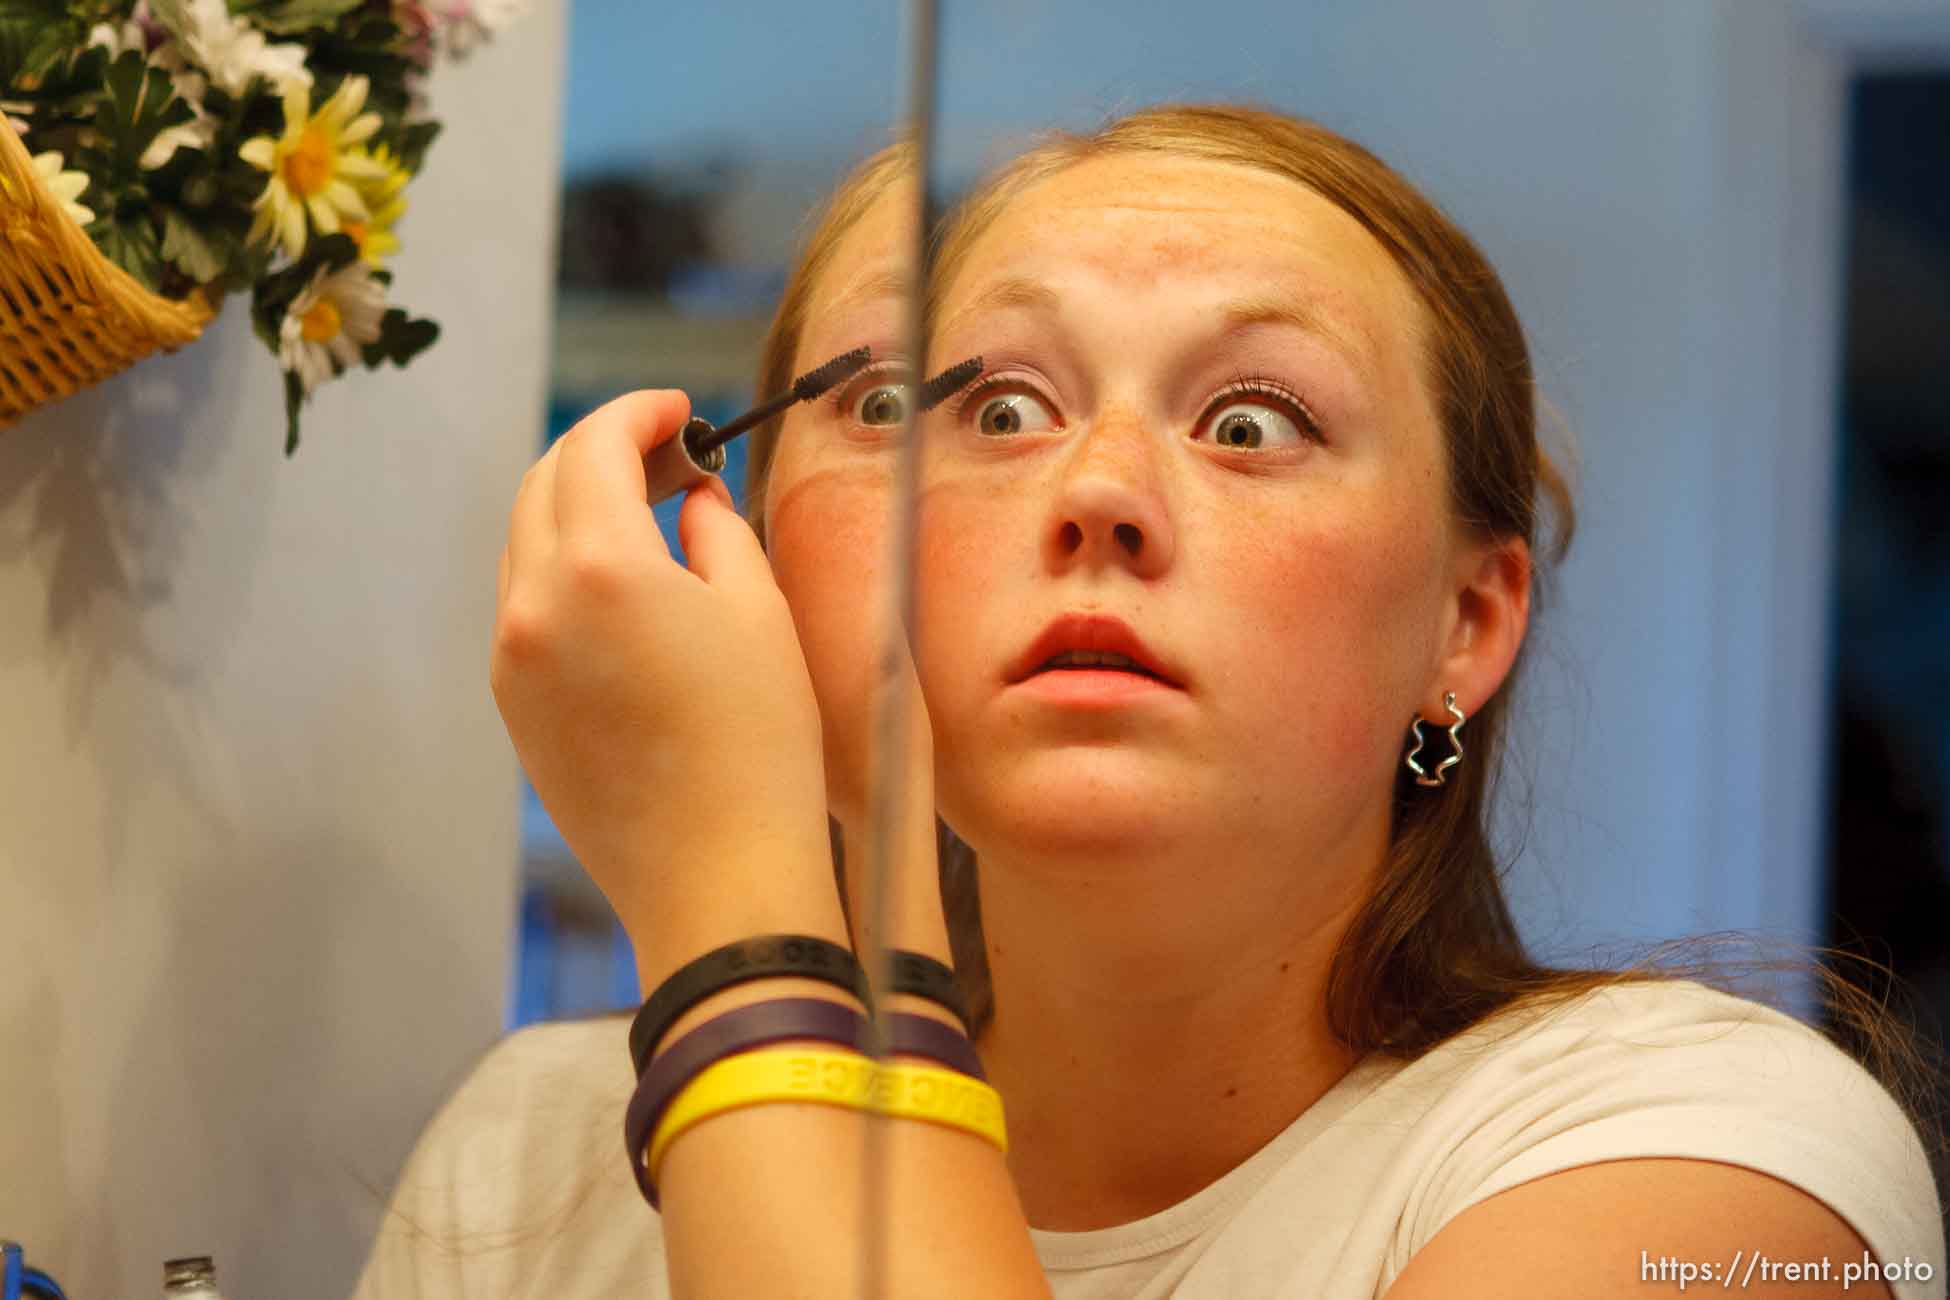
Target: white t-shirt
522,1186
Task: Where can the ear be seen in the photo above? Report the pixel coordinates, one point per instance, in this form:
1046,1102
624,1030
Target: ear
1489,611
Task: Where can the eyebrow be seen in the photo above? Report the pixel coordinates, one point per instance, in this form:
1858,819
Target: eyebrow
1303,316
1244,313
1238,314
1004,294
881,284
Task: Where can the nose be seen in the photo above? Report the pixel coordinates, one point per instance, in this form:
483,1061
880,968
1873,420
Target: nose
1110,507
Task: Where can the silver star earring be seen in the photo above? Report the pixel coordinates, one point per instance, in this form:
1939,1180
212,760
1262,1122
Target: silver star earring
1455,742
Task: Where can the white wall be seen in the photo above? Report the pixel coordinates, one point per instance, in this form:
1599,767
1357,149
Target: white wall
257,810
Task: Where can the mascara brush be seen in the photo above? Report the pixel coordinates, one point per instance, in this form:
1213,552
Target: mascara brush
698,449
949,382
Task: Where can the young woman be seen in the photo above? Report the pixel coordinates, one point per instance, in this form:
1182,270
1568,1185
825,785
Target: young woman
1258,417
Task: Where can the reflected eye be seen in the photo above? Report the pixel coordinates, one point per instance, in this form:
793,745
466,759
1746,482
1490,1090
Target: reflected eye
1009,413
882,406
1251,423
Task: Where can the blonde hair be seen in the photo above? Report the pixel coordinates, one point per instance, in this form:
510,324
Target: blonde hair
854,197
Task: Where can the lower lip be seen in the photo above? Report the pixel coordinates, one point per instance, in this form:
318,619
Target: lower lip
1091,688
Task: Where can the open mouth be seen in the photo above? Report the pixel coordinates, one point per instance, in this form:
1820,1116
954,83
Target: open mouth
1085,661
1092,646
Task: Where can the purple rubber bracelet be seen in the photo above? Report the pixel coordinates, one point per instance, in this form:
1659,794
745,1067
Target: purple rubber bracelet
771,1022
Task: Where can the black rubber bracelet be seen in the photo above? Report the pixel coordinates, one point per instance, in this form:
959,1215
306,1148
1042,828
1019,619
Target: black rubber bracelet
738,963
924,977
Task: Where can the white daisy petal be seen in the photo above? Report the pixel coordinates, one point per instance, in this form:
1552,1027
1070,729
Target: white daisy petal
360,129
344,350
354,90
291,230
345,200
324,217
260,152
297,110
261,224
354,167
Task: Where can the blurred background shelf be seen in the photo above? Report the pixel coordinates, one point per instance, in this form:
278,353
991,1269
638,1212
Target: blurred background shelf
610,343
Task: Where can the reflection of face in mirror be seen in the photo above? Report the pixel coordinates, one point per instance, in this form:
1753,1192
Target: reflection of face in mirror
1202,412
1205,411
821,484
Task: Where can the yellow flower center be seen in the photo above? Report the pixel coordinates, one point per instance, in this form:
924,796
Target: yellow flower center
322,323
308,167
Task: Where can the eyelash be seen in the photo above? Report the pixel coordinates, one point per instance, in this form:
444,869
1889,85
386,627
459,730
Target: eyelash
879,375
1243,385
1256,385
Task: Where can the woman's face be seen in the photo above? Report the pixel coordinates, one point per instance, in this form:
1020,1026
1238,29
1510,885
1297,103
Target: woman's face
826,503
1202,413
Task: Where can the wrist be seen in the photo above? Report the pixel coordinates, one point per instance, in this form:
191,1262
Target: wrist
735,892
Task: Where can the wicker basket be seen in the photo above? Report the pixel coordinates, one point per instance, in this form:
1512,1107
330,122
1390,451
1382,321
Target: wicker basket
69,317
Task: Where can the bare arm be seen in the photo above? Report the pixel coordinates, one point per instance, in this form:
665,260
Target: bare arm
1619,1229
767,1200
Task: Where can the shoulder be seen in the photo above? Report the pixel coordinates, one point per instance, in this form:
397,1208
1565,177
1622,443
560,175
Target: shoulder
526,1152
542,1106
1665,1098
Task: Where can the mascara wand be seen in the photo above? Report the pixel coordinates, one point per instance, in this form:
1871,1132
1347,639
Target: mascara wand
949,382
698,449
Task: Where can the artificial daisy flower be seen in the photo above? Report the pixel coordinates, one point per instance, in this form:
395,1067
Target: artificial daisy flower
385,205
314,166
64,185
233,52
326,326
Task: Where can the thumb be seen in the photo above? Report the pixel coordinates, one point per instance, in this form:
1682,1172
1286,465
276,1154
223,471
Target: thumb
719,546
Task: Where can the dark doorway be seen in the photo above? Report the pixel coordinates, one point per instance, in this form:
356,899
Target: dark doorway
1889,859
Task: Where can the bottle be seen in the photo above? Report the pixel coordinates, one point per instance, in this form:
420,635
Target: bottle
191,1278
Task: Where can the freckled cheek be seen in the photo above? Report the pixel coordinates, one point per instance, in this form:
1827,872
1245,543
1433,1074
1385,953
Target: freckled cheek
1340,631
956,563
827,545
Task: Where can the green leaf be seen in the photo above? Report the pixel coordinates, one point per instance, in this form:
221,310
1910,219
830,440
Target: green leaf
291,16
400,339
141,105
203,255
410,144
332,252
47,52
31,33
130,242
294,397
69,94
368,47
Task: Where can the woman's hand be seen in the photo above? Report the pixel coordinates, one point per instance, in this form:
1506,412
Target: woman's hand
663,713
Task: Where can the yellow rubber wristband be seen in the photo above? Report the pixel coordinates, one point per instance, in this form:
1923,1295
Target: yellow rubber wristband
832,1078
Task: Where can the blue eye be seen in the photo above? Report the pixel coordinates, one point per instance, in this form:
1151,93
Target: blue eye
1011,413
